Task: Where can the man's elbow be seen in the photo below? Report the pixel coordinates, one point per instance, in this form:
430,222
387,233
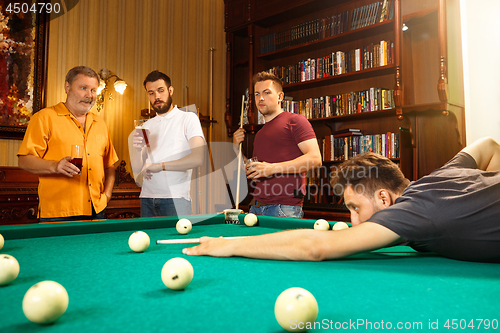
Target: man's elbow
198,156
110,171
199,161
314,250
21,162
318,161
315,161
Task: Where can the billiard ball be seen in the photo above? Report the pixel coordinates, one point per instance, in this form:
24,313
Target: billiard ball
183,226
321,225
138,241
2,242
9,269
294,308
250,219
45,302
340,226
177,273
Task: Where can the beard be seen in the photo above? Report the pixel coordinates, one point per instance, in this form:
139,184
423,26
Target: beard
164,107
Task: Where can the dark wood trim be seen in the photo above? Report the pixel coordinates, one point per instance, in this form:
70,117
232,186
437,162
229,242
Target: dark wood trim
39,77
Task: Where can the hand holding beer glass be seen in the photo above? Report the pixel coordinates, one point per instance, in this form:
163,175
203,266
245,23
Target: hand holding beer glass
250,160
77,156
141,136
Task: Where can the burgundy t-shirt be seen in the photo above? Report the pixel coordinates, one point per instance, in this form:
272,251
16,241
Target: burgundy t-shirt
277,142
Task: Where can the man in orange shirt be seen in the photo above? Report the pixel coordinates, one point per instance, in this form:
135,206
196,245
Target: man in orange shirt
67,193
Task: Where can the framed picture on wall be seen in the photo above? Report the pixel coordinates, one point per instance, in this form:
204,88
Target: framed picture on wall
23,66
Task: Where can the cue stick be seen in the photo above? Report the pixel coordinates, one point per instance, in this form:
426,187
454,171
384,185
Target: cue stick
210,103
239,156
210,128
189,240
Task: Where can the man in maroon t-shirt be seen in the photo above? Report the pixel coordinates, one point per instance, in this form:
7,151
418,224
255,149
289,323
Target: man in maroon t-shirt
286,148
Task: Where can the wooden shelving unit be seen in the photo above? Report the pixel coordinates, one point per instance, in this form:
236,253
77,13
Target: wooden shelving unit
425,74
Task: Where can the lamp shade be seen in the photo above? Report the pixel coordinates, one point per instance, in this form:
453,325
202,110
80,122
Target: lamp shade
101,87
120,86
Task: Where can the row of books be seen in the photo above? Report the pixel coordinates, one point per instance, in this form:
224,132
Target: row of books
337,63
373,13
343,147
373,99
306,32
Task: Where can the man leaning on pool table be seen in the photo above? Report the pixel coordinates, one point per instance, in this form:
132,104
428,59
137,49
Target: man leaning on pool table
453,212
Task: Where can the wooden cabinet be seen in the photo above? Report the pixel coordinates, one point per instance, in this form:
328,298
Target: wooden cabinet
19,196
423,71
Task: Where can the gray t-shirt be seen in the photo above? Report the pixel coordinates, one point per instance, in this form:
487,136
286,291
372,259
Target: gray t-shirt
454,212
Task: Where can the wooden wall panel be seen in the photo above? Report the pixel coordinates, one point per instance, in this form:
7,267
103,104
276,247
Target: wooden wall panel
132,38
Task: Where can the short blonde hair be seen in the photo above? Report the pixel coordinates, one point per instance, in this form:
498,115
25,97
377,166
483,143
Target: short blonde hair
264,76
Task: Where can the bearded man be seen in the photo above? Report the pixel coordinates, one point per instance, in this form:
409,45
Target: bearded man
173,146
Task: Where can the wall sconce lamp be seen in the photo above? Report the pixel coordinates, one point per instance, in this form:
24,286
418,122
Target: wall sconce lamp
105,77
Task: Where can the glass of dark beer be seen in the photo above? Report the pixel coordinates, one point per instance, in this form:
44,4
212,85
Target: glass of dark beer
142,130
77,156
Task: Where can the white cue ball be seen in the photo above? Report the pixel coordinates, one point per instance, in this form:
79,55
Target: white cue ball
321,225
138,241
9,269
2,241
183,226
45,302
294,308
177,273
250,219
340,226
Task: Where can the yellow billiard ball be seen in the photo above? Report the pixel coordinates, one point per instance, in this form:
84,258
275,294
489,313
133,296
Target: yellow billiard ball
183,226
138,241
294,308
45,302
2,241
177,273
250,219
9,269
340,226
321,225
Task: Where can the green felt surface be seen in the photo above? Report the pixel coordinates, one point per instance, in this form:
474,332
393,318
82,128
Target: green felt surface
112,289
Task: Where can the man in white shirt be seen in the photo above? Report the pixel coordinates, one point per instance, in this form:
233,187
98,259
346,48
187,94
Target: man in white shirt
176,146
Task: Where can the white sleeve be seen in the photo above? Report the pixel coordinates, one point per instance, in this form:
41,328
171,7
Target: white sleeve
193,126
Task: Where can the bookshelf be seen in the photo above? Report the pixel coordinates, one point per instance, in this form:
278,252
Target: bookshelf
423,71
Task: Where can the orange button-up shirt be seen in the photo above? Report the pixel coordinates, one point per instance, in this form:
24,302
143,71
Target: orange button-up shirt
49,135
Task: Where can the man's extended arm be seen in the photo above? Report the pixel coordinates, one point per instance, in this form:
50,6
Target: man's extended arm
39,166
310,159
194,159
301,244
486,152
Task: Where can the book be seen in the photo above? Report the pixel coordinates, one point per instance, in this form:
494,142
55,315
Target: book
376,13
383,12
346,130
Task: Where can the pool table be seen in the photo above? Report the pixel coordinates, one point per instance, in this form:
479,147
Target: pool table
113,289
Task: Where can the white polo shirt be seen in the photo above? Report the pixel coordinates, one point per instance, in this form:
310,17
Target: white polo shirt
169,140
